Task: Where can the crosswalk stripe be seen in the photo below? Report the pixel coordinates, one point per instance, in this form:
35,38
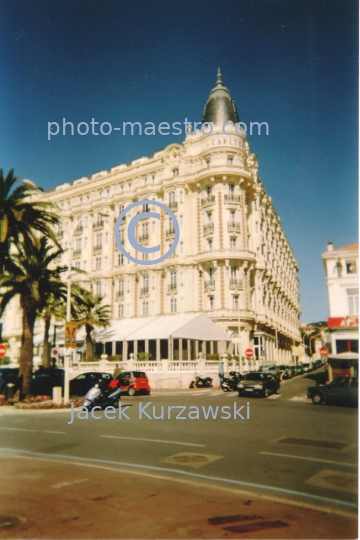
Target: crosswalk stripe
298,398
274,396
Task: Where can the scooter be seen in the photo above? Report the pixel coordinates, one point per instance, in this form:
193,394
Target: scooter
97,398
201,382
230,383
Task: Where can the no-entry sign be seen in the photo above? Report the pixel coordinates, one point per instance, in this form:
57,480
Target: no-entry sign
2,350
249,353
324,352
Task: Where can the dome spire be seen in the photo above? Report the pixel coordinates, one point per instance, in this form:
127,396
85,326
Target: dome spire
220,107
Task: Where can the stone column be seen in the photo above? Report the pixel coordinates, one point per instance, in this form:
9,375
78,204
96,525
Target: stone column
180,350
158,357
146,345
188,349
135,349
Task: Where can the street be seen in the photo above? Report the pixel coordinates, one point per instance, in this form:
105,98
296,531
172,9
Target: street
287,450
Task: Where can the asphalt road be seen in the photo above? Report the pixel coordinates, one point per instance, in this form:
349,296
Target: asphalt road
285,447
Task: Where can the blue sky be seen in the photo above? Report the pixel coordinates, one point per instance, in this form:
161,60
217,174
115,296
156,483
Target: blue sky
290,63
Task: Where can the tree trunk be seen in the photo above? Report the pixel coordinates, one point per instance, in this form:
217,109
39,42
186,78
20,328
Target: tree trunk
46,344
27,348
89,343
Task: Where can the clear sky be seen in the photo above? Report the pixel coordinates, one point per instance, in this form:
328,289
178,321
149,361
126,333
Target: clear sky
290,63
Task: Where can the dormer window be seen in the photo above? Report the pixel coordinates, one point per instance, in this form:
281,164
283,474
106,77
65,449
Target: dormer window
175,172
229,160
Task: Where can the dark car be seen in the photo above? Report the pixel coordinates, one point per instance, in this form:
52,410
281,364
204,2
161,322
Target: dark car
259,383
132,382
341,391
299,370
44,381
8,375
82,383
286,372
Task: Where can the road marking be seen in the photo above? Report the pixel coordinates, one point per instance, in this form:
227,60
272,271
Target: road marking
57,432
274,396
65,484
309,459
18,429
185,476
298,398
217,393
202,392
151,440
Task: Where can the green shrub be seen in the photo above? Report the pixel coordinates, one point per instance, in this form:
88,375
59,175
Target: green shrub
144,356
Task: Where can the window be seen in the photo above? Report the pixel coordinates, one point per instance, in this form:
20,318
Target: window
232,243
98,240
85,242
106,238
209,245
98,288
209,216
207,163
78,244
171,197
121,287
232,217
209,191
353,301
231,189
120,310
235,301
233,271
173,280
153,178
106,263
146,208
181,248
120,259
98,263
211,303
145,308
175,172
146,283
173,305
77,264
229,160
85,266
145,257
211,274
351,267
144,229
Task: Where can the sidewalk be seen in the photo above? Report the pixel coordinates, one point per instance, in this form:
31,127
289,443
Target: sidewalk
57,500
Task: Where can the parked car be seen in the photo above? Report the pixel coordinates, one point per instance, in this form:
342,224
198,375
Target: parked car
271,368
299,370
132,382
44,380
82,383
286,372
341,391
307,367
8,375
259,383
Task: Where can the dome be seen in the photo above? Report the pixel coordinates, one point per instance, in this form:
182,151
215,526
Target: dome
220,107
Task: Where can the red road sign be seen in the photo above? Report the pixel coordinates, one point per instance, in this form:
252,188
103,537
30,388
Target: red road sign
324,352
249,353
2,350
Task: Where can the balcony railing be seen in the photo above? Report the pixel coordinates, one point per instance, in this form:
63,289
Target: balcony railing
144,291
97,249
232,198
209,227
172,288
233,226
76,252
119,295
98,225
209,285
173,205
170,232
208,200
79,229
144,238
235,284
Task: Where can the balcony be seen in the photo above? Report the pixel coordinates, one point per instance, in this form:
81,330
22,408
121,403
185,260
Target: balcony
172,288
173,205
235,284
79,229
98,225
120,295
209,228
76,253
232,198
209,285
97,249
170,233
144,291
233,226
143,239
208,200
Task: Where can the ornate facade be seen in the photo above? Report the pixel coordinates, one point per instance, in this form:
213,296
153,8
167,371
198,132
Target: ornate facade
233,261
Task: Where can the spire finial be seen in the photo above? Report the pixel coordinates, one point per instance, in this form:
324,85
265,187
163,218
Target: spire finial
219,79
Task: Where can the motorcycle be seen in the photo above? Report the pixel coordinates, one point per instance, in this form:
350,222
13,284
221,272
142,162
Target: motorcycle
230,383
97,397
201,382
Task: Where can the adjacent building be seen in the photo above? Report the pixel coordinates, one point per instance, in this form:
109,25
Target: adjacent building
233,261
342,278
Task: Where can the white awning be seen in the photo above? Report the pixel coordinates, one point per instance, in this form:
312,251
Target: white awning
187,326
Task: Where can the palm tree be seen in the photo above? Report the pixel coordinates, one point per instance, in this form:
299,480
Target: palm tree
21,218
29,275
91,313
